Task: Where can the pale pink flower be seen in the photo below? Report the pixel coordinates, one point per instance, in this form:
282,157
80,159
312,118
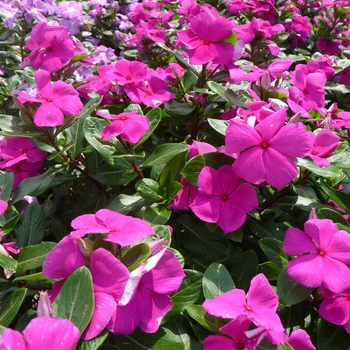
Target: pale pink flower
322,255
121,229
50,48
259,306
223,199
57,99
267,151
130,126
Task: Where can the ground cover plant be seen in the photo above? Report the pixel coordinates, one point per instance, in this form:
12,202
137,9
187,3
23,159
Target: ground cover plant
174,174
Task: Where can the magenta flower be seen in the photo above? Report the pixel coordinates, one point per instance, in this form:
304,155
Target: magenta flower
121,229
42,333
16,149
129,125
242,338
300,340
50,48
322,144
267,150
335,308
322,253
204,36
109,277
57,99
130,72
223,199
259,306
24,170
146,298
3,206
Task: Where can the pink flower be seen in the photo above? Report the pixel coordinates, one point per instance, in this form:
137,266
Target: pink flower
16,149
42,333
335,308
300,340
50,48
204,37
121,229
146,298
130,72
322,253
57,99
223,199
267,150
129,125
322,144
259,306
242,338
3,206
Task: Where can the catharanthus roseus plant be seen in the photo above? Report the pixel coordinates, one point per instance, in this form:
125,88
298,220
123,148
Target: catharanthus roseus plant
174,174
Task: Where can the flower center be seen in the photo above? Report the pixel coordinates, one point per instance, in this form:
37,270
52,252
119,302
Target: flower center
248,308
265,144
321,252
224,197
206,42
314,153
48,49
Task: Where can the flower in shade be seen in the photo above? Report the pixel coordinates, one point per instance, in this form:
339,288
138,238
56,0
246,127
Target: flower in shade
204,38
129,125
42,333
50,48
267,151
121,229
300,340
322,253
222,198
259,306
242,338
56,100
322,144
3,206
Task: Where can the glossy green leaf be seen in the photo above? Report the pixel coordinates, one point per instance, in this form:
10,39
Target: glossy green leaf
75,302
39,276
148,189
245,268
199,241
10,305
154,117
289,291
94,343
202,317
219,125
163,153
6,185
216,281
335,216
176,108
340,198
273,250
156,214
195,165
188,293
7,262
31,230
135,256
328,171
330,336
125,203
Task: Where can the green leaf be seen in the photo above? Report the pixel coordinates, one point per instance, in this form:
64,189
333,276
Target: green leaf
124,203
202,317
325,213
216,281
156,214
163,153
219,125
154,117
172,170
195,165
197,239
232,39
273,250
39,276
328,171
330,336
75,302
7,262
33,256
6,185
270,270
10,305
31,230
188,293
266,345
340,198
94,343
149,190
135,256
140,340
245,268
176,108
289,291
173,189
